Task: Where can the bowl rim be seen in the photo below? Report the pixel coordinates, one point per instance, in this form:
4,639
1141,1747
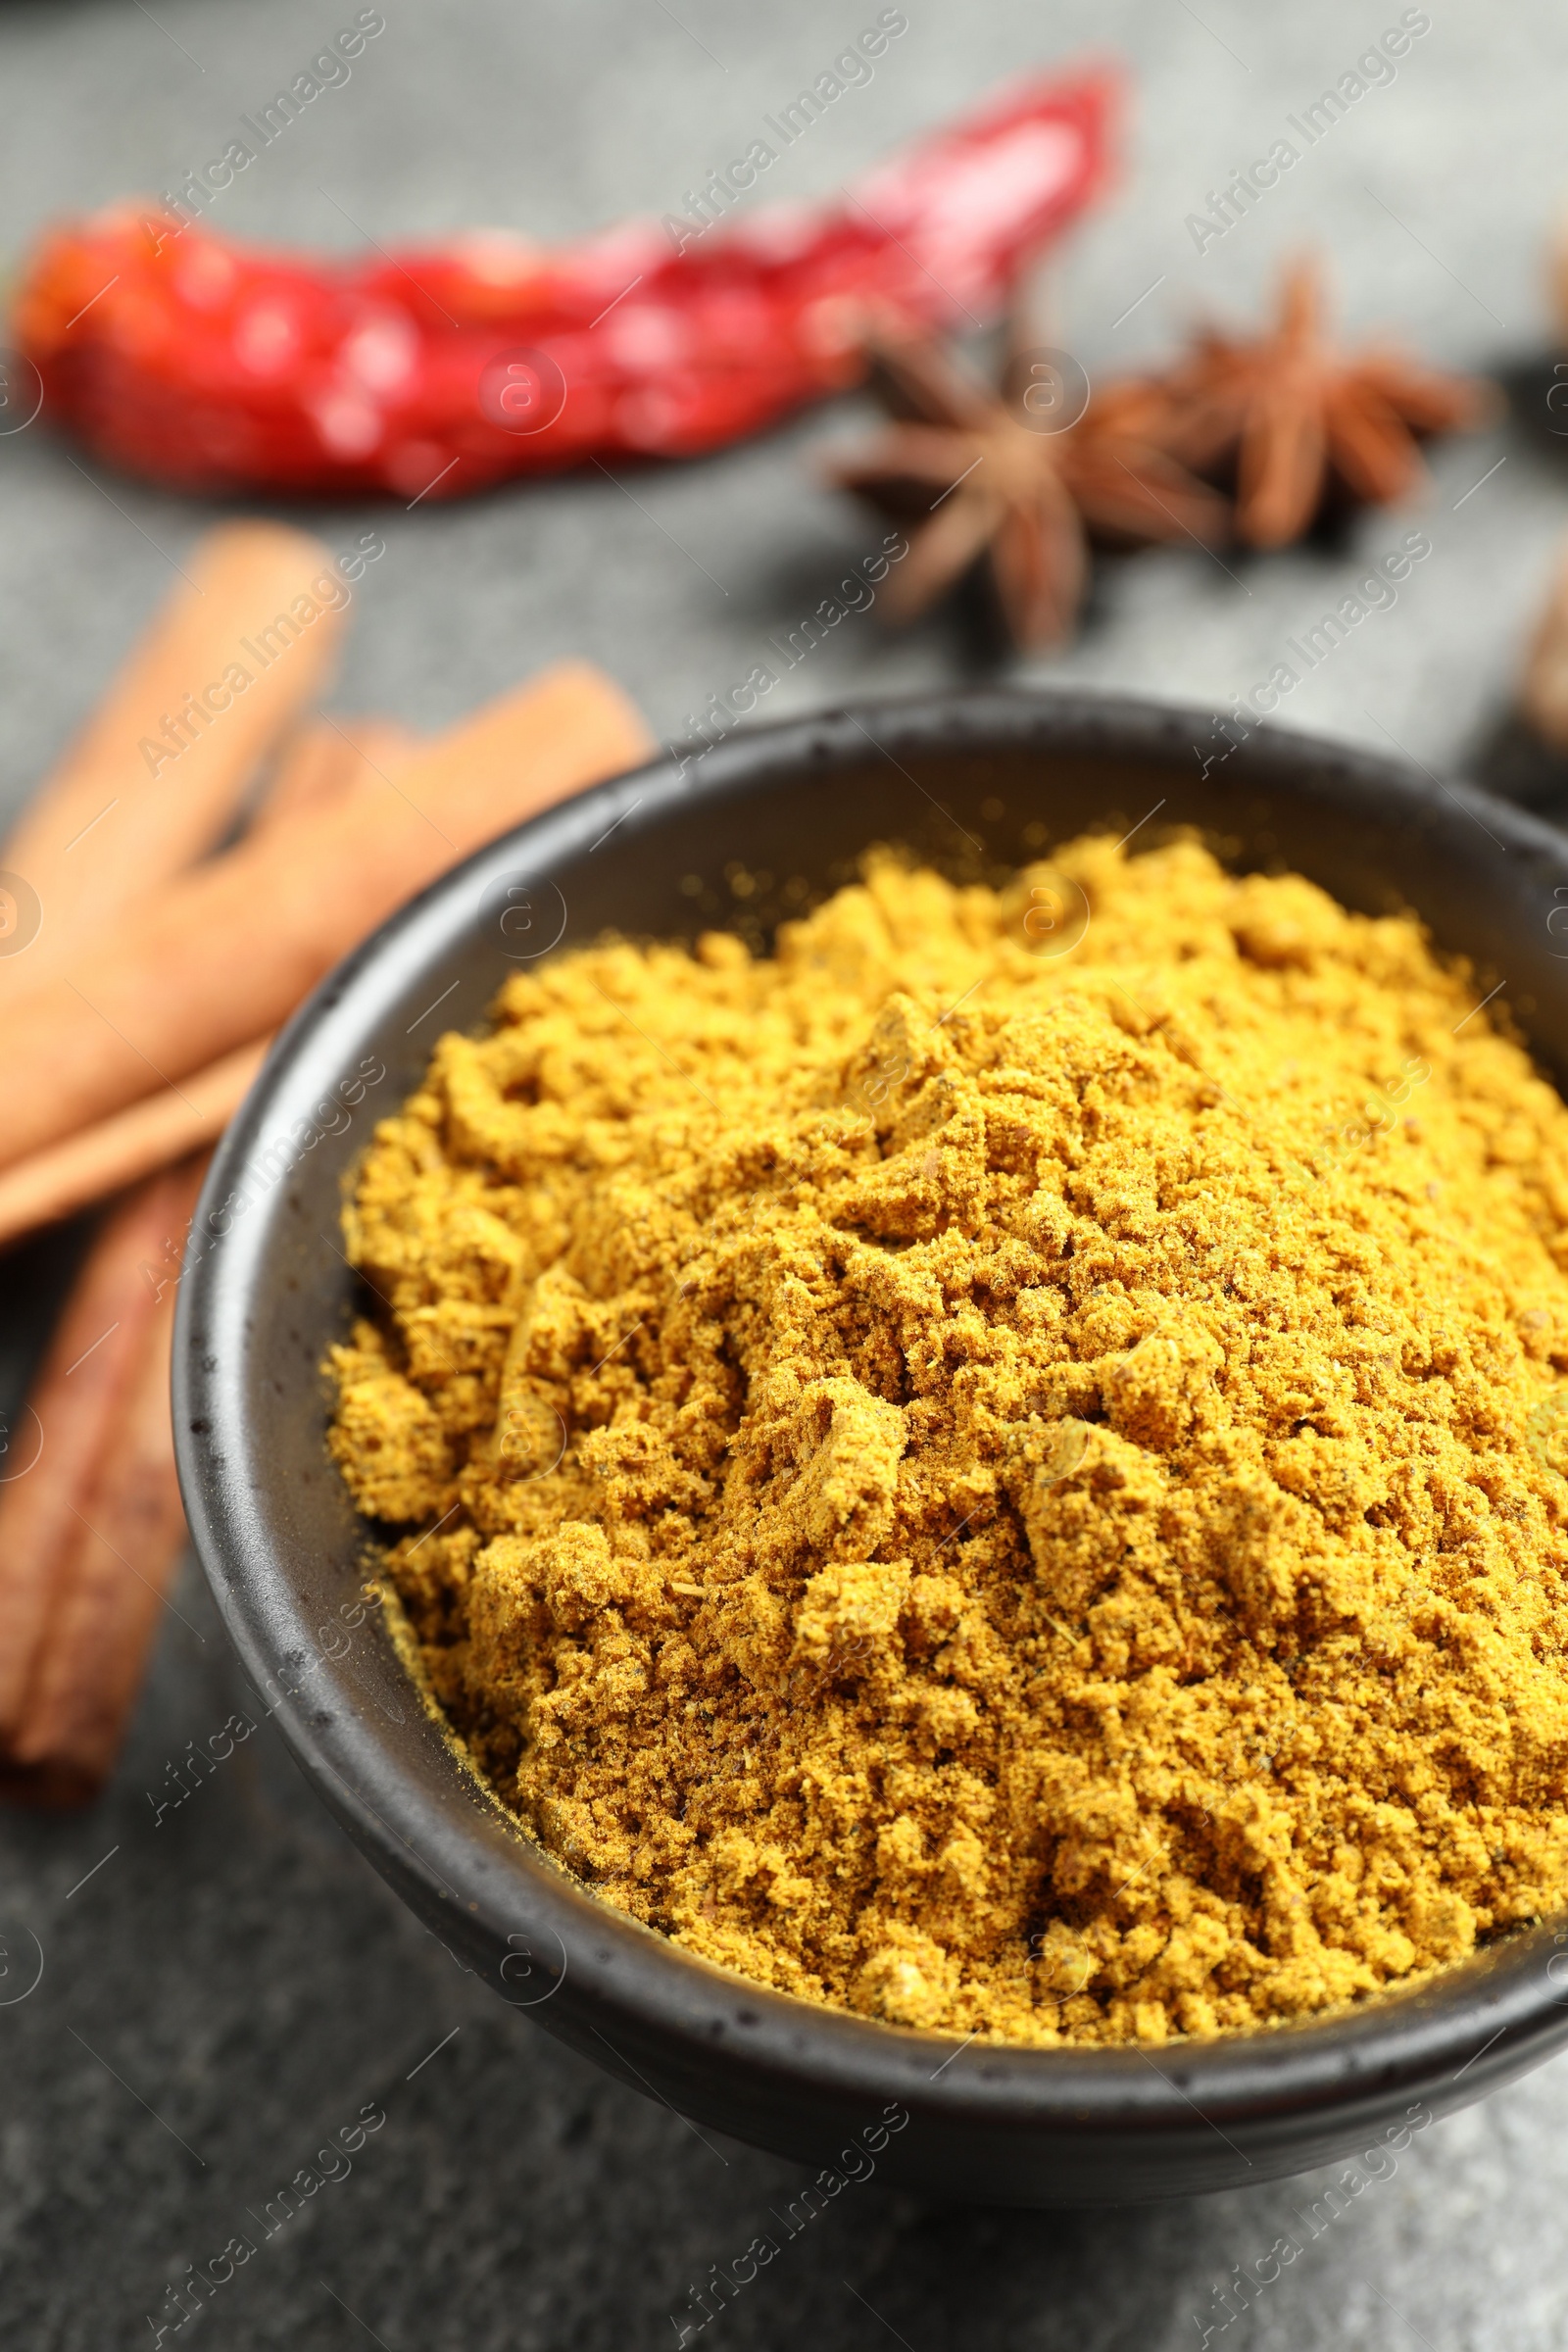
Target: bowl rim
1488,2017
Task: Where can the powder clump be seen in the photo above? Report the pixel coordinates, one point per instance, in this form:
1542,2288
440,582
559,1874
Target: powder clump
1016,1492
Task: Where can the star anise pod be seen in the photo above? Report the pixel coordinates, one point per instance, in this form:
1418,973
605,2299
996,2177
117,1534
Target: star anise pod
1297,418
969,472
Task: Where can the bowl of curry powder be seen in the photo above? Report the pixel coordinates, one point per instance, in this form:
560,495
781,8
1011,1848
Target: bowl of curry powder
944,1376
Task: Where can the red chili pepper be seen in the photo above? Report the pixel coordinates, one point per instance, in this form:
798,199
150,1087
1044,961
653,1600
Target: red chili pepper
211,366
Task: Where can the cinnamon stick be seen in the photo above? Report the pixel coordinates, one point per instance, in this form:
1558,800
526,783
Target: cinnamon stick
77,1403
156,776
116,1152
223,954
151,782
120,1543
325,763
330,757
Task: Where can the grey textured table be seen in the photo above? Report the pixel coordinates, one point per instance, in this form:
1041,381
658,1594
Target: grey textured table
224,1987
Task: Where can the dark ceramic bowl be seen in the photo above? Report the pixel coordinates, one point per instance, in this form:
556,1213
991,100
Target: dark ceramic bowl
967,782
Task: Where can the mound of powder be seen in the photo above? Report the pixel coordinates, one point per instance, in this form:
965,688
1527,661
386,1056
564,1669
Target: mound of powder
1004,1480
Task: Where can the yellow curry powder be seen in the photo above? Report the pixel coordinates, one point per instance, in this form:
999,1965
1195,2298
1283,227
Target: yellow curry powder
1009,1491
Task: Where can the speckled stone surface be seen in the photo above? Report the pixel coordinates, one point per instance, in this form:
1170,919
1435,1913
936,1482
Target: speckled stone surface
226,1984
